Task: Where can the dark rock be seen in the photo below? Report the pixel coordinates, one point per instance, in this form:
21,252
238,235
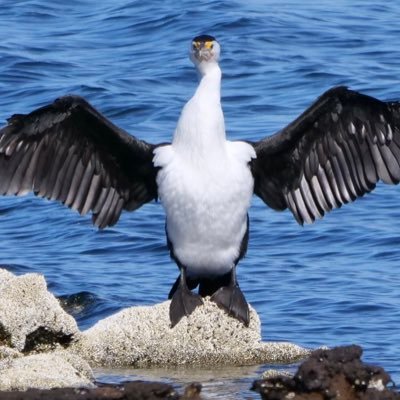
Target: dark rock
44,337
330,374
129,391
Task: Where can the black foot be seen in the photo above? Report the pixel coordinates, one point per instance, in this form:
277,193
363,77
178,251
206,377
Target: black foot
190,282
183,303
231,299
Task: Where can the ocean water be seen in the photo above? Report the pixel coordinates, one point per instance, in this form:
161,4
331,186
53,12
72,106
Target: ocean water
332,283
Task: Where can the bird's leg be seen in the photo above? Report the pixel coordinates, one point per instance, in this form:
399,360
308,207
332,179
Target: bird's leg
183,301
231,299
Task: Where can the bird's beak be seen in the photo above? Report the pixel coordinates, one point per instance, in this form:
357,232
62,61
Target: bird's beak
202,50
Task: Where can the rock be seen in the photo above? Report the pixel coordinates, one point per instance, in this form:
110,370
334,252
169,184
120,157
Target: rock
330,374
128,391
5,275
273,373
31,317
142,337
32,321
45,371
8,352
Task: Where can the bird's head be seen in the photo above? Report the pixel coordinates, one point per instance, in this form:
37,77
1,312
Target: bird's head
204,50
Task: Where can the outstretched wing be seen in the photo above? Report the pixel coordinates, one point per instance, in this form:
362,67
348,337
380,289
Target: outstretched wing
336,151
68,151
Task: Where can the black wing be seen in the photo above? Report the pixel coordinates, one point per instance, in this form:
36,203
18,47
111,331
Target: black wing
67,151
336,151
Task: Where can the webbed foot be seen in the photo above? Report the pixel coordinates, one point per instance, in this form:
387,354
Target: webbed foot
231,299
183,302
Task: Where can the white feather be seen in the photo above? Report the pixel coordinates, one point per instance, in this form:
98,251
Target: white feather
205,184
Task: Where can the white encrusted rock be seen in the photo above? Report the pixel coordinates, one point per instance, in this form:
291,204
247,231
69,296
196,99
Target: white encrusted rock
5,275
30,316
45,371
8,352
141,336
32,319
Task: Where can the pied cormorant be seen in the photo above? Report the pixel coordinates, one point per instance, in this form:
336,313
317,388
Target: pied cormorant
336,151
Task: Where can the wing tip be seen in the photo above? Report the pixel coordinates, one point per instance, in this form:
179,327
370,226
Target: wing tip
69,101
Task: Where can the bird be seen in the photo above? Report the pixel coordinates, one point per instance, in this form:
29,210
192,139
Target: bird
333,153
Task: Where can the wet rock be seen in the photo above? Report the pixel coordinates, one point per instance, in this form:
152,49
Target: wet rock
127,391
273,373
31,318
142,337
330,374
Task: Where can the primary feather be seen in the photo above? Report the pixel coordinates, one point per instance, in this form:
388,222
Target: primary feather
67,151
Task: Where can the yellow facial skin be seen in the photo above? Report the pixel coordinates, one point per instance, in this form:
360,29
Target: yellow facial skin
203,49
208,45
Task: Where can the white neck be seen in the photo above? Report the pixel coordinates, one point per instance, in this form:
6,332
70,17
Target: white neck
200,131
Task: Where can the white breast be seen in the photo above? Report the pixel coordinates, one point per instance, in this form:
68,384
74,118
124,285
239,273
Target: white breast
206,205
205,183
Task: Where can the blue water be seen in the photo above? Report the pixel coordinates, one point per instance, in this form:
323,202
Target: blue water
335,282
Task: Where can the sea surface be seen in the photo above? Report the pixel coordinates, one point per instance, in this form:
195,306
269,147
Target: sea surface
332,283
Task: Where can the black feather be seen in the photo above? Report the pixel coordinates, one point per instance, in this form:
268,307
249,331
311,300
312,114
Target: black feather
67,151
333,153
